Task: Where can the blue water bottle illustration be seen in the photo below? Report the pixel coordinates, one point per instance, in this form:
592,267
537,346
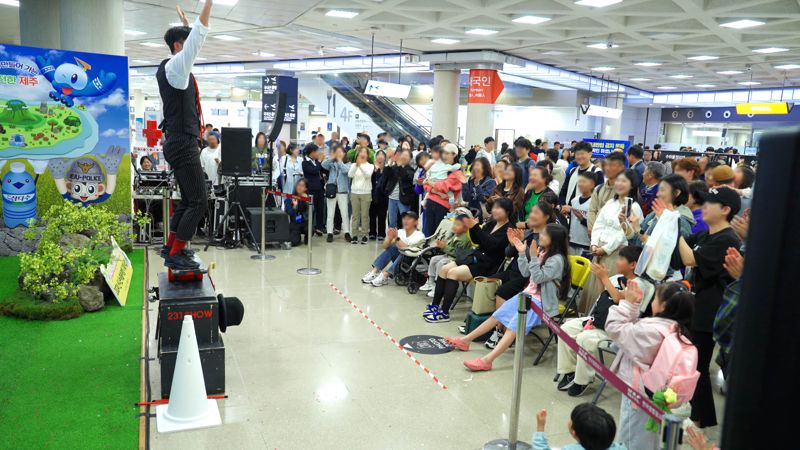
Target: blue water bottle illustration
19,196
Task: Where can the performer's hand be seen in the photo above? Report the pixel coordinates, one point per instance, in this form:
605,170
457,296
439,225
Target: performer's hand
182,15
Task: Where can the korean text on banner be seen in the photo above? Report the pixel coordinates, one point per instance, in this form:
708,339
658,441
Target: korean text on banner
602,147
118,273
485,86
271,85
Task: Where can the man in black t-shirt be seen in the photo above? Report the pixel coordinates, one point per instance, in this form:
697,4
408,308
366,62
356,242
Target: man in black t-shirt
703,253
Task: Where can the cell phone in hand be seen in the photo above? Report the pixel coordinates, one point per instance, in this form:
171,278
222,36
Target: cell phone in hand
628,206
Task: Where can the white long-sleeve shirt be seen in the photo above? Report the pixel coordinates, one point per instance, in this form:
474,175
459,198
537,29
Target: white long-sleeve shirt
607,232
179,67
208,159
362,178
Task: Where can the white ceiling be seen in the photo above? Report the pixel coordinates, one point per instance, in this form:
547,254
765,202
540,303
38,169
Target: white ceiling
665,31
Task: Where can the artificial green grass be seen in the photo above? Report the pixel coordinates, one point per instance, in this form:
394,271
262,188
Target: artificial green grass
71,384
22,305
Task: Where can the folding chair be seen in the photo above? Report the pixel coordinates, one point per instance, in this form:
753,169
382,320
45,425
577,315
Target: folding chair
579,272
605,346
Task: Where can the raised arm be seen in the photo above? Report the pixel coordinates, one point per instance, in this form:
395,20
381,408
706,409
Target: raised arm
180,65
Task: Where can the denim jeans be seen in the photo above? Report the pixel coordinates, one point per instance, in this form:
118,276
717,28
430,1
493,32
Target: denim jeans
391,254
395,208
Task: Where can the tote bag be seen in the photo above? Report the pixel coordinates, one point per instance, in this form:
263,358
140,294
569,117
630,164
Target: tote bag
483,301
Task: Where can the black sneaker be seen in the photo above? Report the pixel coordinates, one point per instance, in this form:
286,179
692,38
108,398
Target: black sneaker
318,232
364,240
576,390
354,241
566,381
336,232
347,237
181,261
165,251
372,237
329,238
380,238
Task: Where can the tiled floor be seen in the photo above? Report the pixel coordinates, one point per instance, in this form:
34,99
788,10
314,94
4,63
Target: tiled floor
306,371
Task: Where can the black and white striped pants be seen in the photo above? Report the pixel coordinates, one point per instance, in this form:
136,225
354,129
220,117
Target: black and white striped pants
183,155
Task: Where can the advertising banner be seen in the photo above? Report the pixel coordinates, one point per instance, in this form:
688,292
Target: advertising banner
64,131
602,147
118,273
724,114
485,86
270,86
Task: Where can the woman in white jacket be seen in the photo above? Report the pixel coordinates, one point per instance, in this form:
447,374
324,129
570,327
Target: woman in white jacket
360,194
291,168
639,341
612,229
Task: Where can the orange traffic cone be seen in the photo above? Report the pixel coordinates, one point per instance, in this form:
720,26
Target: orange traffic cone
188,406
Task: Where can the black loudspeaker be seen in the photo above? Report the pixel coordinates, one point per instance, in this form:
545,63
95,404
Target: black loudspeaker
236,151
766,345
277,123
277,225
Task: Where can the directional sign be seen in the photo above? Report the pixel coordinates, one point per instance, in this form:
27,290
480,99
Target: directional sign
271,85
383,89
425,344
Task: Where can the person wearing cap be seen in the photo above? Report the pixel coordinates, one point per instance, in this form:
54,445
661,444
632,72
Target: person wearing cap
443,184
703,254
720,175
395,240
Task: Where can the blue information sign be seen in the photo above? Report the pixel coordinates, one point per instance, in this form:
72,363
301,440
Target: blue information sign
602,147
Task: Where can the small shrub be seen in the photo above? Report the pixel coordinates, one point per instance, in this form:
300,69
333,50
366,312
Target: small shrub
22,305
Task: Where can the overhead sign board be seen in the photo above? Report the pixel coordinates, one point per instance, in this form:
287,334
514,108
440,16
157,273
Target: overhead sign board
602,147
764,108
383,89
485,86
730,114
271,85
601,111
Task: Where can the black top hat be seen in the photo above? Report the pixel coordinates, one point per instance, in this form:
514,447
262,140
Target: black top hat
231,312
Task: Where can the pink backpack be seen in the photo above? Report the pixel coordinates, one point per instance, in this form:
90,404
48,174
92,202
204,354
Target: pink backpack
675,367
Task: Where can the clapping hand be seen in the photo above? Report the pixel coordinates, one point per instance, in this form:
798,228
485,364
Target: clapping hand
741,224
599,270
659,207
633,293
541,420
470,221
698,441
391,234
734,263
516,242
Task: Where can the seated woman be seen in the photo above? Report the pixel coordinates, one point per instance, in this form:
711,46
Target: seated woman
479,187
549,280
395,240
538,180
513,281
491,239
298,213
510,187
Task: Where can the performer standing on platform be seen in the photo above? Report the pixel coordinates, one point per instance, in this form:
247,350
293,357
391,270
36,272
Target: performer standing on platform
183,129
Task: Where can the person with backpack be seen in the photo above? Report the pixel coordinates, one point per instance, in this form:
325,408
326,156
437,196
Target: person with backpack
576,374
655,353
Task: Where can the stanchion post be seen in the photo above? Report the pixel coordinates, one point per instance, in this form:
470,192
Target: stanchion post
165,195
513,423
262,255
671,432
309,269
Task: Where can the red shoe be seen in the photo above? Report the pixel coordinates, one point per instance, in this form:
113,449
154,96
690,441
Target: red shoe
457,343
478,365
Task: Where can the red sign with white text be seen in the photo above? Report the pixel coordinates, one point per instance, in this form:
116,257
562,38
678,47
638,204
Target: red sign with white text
485,86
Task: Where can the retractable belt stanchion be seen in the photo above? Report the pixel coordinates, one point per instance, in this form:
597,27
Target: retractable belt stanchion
671,432
309,269
165,193
513,424
262,255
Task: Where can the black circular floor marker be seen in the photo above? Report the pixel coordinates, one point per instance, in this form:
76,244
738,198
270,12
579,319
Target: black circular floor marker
425,344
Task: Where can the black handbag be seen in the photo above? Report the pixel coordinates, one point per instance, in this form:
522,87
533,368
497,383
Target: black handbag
331,189
465,256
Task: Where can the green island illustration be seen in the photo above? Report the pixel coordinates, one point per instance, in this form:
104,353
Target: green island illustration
44,131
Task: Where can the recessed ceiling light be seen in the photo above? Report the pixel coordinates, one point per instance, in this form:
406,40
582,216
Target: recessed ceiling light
639,79
666,87
531,20
200,58
176,24
14,3
788,67
134,33
744,23
150,44
664,36
481,32
749,83
703,58
770,50
603,68
445,41
223,2
597,3
705,85
226,37
348,49
341,14
730,72
141,61
602,45
263,54
681,76
554,52
647,64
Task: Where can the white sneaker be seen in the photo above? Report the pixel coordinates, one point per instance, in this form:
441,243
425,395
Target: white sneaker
430,293
380,280
493,340
369,277
428,286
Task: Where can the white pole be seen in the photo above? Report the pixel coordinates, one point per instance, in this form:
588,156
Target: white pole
309,269
263,256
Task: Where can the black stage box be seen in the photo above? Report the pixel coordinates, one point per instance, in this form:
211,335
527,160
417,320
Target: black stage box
195,298
212,358
277,229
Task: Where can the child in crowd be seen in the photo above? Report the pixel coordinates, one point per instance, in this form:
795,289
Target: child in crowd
298,213
588,424
437,170
549,280
639,341
395,240
458,239
579,241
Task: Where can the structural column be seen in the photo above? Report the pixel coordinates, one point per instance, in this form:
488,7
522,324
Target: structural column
611,128
95,26
446,92
38,23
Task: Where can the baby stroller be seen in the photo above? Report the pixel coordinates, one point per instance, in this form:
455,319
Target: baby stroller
413,269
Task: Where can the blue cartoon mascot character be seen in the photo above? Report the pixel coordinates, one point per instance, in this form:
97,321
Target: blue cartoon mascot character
19,196
70,81
82,180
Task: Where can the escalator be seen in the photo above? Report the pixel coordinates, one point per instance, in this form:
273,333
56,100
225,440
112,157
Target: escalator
381,110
